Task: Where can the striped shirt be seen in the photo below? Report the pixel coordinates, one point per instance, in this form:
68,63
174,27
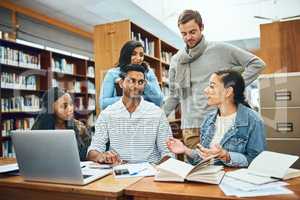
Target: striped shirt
139,136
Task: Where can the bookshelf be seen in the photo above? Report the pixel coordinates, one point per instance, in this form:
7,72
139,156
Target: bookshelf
26,73
109,39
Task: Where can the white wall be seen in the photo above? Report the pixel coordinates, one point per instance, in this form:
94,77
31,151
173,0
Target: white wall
223,19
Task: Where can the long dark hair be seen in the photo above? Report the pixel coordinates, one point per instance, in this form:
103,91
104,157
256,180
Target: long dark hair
46,119
234,79
126,53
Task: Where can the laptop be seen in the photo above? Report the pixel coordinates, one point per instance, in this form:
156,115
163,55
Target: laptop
52,156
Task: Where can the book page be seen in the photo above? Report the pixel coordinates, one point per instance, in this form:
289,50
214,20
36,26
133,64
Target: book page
176,166
272,164
247,176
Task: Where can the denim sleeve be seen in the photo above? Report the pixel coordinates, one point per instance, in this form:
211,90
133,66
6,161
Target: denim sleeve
152,90
255,145
107,95
194,158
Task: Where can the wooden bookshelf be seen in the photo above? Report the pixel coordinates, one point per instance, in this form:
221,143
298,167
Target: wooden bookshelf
108,41
44,72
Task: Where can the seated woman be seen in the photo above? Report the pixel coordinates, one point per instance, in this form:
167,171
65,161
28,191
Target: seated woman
58,113
234,132
132,52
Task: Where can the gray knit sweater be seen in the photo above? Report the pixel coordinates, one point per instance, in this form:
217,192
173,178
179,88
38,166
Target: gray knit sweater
191,69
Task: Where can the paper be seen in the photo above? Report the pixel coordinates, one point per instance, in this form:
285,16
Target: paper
229,191
247,176
89,171
244,186
232,189
8,168
136,170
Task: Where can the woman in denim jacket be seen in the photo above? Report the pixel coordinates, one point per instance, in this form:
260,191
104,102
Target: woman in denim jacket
132,52
234,132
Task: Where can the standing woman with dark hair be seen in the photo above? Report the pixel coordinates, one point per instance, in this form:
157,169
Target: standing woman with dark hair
132,52
58,113
234,132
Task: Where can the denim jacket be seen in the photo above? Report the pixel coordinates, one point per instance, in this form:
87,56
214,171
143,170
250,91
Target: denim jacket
108,94
243,141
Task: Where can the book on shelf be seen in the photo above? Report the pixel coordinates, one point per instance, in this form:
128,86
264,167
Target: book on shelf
15,57
267,167
77,87
8,149
62,66
78,102
26,103
16,124
166,56
16,81
91,87
147,43
91,72
91,103
179,171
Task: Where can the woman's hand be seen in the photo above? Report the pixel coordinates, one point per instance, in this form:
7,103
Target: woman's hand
215,150
176,146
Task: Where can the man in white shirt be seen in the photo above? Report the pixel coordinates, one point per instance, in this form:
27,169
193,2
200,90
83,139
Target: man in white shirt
136,129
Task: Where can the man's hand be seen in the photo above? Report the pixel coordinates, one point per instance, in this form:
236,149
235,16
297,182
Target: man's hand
176,146
109,157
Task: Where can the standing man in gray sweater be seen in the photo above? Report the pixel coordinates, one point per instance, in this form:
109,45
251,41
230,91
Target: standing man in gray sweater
191,68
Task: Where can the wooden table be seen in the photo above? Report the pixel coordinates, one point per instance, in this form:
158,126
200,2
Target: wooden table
14,187
148,189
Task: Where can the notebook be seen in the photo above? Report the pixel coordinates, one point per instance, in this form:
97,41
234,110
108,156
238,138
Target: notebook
267,167
52,156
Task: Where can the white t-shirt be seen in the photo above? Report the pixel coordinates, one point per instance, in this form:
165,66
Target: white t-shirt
223,124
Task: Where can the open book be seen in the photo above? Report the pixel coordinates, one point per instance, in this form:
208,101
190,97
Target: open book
176,170
267,167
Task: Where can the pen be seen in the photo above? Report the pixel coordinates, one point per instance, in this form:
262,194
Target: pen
135,173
